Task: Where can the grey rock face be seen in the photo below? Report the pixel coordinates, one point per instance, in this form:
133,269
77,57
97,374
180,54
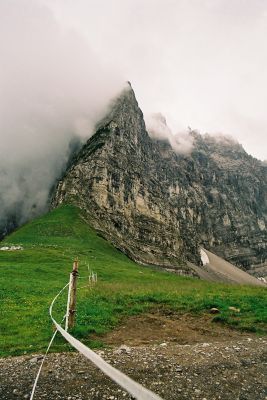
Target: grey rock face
7,225
234,209
158,206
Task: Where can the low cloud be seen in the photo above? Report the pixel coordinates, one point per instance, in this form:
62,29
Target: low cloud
220,138
181,142
53,91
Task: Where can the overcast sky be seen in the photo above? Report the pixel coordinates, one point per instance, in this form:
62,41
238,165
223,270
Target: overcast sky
201,63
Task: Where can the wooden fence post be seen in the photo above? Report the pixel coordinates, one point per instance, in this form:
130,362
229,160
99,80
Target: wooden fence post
71,307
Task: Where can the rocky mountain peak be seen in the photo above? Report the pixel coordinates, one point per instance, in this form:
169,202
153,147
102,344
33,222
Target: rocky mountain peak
124,110
157,205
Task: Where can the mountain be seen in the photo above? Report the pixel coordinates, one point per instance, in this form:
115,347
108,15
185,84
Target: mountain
158,206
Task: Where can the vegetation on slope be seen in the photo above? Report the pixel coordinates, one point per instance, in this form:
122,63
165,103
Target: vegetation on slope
30,278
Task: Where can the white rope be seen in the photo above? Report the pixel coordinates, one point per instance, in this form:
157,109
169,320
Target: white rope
132,387
47,350
68,305
39,371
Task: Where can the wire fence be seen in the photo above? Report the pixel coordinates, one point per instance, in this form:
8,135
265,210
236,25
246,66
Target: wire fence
136,390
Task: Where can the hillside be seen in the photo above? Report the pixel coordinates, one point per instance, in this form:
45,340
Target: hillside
158,206
30,278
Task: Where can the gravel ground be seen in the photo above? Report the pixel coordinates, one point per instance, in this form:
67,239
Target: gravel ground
233,370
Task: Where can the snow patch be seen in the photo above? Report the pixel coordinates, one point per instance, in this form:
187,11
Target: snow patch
11,248
204,257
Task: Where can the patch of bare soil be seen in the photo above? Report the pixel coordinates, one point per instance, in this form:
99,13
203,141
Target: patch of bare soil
158,328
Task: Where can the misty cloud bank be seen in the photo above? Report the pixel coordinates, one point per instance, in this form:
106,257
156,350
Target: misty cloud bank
181,142
53,91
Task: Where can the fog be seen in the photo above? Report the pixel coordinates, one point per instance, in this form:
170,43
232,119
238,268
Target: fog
53,90
182,142
201,63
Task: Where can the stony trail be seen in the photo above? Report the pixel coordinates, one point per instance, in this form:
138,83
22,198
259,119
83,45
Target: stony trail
227,370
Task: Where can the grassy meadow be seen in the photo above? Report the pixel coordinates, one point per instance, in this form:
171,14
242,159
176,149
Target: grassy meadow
30,278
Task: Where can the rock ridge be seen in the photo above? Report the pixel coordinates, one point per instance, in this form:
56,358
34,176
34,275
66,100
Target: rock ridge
158,206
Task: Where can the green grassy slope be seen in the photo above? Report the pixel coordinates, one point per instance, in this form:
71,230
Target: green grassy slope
29,280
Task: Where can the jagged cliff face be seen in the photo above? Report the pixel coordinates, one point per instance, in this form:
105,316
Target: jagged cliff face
159,206
227,196
234,208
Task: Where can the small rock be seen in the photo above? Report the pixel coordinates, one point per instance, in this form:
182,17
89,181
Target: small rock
33,360
214,310
123,349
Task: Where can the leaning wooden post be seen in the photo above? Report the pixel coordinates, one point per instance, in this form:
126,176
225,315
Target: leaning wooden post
71,307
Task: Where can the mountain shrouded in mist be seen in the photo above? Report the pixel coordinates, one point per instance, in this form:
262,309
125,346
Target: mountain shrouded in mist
62,63
158,205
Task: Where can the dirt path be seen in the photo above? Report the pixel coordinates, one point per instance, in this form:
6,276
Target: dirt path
194,359
163,325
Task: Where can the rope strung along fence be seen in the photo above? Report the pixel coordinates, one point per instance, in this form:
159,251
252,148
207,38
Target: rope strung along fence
47,350
92,279
41,366
132,387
